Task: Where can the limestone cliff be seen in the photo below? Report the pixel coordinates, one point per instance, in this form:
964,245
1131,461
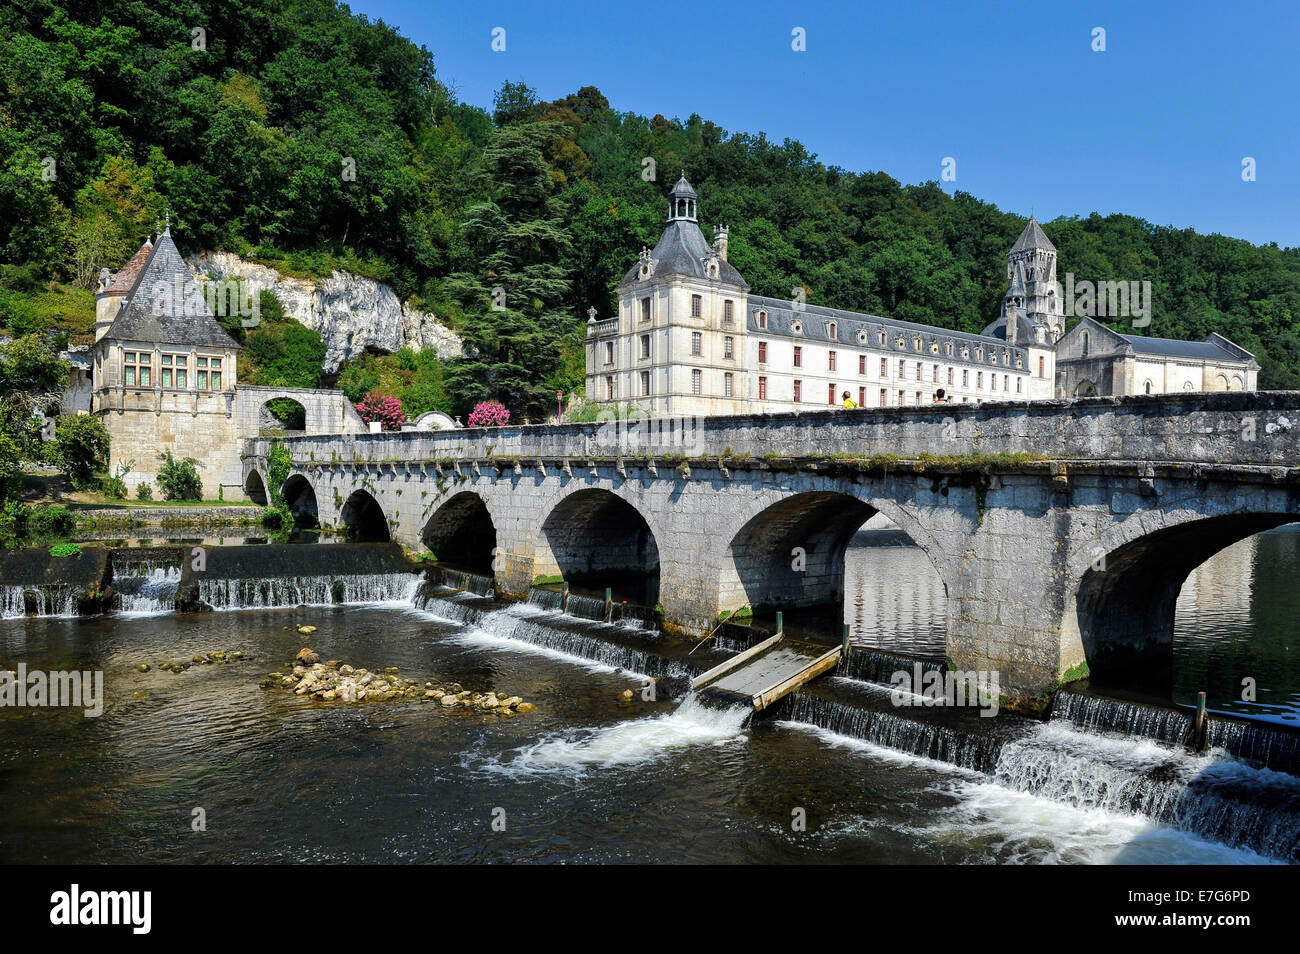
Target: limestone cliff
351,313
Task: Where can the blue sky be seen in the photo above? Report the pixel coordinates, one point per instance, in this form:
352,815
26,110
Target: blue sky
1157,125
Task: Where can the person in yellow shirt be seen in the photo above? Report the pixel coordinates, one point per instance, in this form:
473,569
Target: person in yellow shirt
849,403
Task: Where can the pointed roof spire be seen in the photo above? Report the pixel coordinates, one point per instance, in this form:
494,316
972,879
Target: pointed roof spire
1033,237
682,190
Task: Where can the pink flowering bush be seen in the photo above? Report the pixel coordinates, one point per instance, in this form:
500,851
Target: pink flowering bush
383,408
489,414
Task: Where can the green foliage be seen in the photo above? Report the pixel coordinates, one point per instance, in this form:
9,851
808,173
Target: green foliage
416,378
144,491
31,377
246,141
65,549
81,448
179,479
49,522
113,486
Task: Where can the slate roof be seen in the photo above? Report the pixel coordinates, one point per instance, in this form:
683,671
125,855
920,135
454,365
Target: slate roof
1032,238
124,280
1207,350
681,250
682,190
166,305
813,318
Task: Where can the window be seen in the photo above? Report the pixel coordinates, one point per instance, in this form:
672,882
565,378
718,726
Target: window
696,378
884,398
171,373
215,378
862,397
645,346
948,349
950,375
832,330
762,352
798,390
882,339
979,380
830,394
609,387
203,373
762,387
798,356
762,319
884,367
135,367
862,364
935,375
609,352
979,354
902,397
697,343
697,306
1019,382
727,384
919,370
1006,382
182,362
965,378
830,360
916,343
902,368
728,311
645,309
918,398
645,383
729,348
1041,372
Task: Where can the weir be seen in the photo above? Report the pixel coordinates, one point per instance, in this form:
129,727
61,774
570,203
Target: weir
766,672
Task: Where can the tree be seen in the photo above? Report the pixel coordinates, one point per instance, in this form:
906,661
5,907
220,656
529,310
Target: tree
179,478
81,448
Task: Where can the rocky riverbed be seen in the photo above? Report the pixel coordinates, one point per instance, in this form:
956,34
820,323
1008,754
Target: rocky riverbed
336,681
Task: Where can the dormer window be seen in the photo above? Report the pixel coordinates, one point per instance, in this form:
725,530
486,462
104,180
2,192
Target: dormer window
882,339
761,319
916,343
949,349
796,327
832,331
900,342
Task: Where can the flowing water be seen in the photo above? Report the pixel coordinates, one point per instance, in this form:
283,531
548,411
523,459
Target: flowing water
592,775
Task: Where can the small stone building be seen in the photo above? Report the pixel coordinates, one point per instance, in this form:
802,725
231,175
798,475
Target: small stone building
1093,360
163,376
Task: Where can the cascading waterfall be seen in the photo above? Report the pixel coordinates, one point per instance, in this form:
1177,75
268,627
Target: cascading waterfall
271,593
148,591
609,644
46,599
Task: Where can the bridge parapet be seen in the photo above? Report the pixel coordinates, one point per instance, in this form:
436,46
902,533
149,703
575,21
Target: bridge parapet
1223,428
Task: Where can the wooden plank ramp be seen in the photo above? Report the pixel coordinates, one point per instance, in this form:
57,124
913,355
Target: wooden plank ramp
767,671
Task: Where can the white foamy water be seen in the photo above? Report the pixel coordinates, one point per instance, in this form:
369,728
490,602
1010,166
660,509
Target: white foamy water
576,751
150,595
1006,826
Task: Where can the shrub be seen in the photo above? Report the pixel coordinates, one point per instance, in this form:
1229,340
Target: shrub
144,492
489,414
13,523
179,479
49,521
383,408
80,447
65,549
114,487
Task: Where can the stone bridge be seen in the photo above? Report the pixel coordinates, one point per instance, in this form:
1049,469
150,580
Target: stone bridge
1062,531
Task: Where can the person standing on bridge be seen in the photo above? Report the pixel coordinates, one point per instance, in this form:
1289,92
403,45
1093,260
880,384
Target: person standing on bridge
849,403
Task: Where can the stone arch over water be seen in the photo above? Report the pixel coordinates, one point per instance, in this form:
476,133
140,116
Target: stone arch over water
255,488
300,497
461,531
1122,608
593,535
363,518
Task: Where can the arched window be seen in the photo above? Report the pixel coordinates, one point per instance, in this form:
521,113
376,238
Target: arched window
832,331
1147,387
1085,345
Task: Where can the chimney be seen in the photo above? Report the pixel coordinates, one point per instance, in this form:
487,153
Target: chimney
720,241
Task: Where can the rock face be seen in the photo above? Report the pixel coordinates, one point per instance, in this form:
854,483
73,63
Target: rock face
350,313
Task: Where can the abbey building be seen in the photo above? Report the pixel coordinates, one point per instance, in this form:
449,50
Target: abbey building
691,339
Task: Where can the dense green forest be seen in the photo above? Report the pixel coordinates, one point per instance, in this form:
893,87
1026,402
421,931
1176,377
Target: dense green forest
113,111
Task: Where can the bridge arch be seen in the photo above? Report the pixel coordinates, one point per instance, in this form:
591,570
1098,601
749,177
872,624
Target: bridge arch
281,417
462,531
595,536
363,518
1122,606
255,489
300,497
793,552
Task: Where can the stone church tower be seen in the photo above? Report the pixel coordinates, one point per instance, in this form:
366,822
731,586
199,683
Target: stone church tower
1031,305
